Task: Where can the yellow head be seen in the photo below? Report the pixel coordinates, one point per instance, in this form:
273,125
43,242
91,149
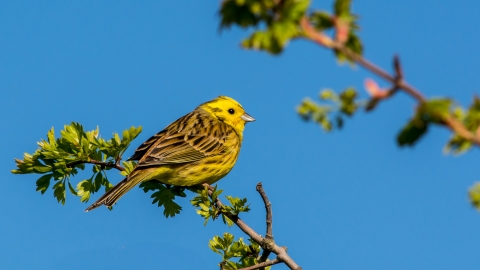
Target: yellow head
229,111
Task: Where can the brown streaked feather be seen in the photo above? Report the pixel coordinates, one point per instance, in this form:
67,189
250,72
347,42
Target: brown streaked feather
189,139
143,148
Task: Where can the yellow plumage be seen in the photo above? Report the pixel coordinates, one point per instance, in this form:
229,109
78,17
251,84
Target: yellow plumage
200,147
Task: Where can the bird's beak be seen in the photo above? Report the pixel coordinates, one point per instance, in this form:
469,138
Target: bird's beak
247,118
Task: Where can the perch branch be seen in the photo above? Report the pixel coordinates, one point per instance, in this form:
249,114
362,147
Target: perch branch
261,265
266,243
96,162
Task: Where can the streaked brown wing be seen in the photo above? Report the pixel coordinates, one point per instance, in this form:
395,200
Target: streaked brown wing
143,149
189,139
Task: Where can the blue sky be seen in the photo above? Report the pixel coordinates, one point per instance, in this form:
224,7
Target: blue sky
351,199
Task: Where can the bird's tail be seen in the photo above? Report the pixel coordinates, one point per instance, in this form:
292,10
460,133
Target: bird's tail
115,193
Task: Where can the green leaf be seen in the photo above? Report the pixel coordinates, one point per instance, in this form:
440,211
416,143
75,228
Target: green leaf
42,169
98,182
458,145
163,196
72,190
342,7
129,166
151,185
321,20
51,136
435,110
221,245
234,13
329,94
237,205
85,147
43,183
472,117
354,43
293,10
107,185
432,111
59,191
263,40
227,221
84,190
178,191
348,104
474,195
413,131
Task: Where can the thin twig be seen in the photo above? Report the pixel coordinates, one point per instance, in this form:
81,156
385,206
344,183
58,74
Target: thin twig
268,219
268,208
402,84
398,68
96,162
280,251
261,265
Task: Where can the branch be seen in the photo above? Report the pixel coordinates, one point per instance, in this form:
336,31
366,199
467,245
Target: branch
265,243
268,208
269,233
397,80
261,265
96,162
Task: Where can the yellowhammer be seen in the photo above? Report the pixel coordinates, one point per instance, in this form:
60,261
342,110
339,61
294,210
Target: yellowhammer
200,147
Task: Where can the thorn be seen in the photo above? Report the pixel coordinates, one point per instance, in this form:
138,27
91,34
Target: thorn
398,68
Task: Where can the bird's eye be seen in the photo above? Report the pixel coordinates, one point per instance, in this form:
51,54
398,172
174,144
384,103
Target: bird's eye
231,111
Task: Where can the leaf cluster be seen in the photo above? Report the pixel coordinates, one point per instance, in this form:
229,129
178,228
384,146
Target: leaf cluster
245,254
471,120
341,20
89,186
275,22
433,111
60,158
207,206
331,114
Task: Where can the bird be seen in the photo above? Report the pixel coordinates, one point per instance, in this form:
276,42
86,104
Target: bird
200,147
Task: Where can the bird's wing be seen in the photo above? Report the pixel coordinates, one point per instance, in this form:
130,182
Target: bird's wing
188,139
142,149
